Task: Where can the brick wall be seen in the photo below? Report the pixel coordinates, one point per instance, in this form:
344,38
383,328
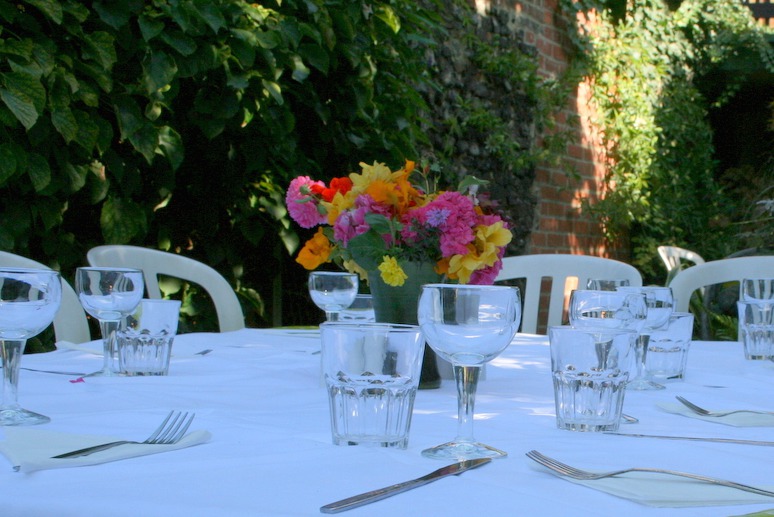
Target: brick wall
561,227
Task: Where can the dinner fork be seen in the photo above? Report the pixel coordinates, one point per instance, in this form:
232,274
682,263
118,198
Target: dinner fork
584,475
171,431
706,412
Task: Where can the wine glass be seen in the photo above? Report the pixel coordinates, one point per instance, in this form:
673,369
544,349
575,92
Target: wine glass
660,304
468,325
29,300
333,291
109,294
607,309
758,290
602,284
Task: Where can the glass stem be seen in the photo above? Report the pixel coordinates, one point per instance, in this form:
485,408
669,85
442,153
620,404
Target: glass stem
641,354
332,315
11,352
108,329
467,383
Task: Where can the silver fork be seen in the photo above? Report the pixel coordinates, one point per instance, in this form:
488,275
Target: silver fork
566,470
171,430
706,412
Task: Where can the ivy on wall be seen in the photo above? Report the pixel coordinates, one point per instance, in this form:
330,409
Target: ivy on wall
651,64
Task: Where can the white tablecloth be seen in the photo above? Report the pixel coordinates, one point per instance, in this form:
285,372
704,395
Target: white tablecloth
258,393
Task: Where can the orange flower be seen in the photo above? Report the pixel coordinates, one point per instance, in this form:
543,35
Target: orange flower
315,252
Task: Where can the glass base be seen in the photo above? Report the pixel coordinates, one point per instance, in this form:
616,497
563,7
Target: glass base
19,416
643,384
106,373
458,451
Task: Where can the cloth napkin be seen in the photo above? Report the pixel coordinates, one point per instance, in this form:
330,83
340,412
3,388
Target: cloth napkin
668,491
737,419
29,450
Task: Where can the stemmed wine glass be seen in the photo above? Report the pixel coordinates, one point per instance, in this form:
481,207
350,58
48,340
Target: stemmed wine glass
660,304
29,300
468,325
602,284
333,291
607,309
109,294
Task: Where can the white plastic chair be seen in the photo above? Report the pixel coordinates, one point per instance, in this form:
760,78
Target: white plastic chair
560,269
156,262
70,323
718,272
673,257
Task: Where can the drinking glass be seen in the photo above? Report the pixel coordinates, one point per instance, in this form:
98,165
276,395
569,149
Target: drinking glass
109,295
29,300
607,309
758,290
660,305
601,284
333,291
468,325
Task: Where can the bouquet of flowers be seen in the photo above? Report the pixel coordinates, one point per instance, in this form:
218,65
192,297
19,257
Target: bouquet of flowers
377,219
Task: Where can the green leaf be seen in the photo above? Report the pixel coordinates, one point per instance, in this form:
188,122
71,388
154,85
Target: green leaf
171,145
88,130
268,39
7,163
76,174
98,46
300,71
50,212
367,249
24,96
211,15
38,171
388,16
150,28
180,42
161,72
17,47
129,116
146,141
274,89
51,8
316,56
116,14
121,220
64,122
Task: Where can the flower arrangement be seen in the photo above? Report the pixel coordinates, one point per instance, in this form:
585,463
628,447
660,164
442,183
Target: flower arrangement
377,219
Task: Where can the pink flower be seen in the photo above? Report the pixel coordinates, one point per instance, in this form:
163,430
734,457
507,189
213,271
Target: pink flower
352,223
302,206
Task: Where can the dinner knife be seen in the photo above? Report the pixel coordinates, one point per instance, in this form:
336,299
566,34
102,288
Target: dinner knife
383,493
697,439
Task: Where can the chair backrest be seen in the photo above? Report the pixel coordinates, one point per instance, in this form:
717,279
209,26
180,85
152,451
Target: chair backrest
673,257
559,268
156,262
70,323
718,272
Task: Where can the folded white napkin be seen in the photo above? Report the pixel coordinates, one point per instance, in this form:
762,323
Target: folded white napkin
29,449
668,491
744,419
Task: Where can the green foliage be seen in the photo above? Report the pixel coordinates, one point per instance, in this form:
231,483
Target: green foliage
177,125
653,66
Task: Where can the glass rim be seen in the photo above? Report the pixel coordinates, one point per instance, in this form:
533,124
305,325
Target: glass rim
107,268
332,273
470,286
593,330
31,270
370,325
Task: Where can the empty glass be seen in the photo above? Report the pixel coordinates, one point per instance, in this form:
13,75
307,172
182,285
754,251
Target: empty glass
598,284
607,309
29,300
333,291
758,290
468,325
109,294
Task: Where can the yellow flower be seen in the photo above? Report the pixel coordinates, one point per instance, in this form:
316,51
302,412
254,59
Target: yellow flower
482,253
315,252
353,267
391,272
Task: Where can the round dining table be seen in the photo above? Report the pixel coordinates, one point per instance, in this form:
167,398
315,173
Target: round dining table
258,395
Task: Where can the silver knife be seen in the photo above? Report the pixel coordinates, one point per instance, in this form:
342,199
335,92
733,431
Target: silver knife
697,439
383,493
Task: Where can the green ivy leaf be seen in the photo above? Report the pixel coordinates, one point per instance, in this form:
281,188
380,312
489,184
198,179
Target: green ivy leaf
24,96
115,14
7,163
388,16
88,130
17,47
51,8
300,71
38,171
64,122
316,56
121,220
180,42
274,90
171,145
99,47
161,71
149,27
211,15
